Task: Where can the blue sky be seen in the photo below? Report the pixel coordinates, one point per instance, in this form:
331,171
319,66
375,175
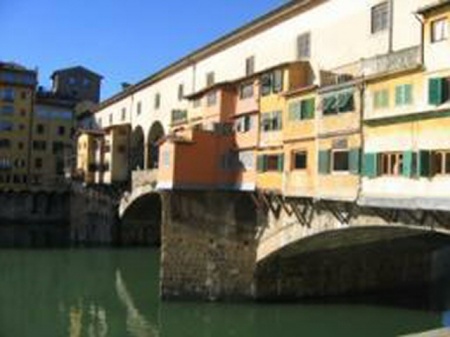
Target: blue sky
124,41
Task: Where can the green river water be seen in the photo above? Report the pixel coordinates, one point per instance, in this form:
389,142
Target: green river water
113,292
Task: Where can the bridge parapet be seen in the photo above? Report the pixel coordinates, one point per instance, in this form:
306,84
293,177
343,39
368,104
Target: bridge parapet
143,182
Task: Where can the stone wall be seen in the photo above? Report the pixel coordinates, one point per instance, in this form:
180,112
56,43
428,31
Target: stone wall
208,246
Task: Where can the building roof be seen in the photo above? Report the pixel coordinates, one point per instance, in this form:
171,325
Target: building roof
437,5
76,68
260,24
15,67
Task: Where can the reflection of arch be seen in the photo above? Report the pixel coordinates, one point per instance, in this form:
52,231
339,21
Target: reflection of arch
155,133
137,149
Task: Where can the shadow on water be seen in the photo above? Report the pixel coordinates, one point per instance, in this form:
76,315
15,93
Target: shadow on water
110,292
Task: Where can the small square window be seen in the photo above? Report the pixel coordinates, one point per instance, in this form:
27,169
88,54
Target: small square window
380,17
210,81
340,161
304,46
250,66
439,30
300,160
157,101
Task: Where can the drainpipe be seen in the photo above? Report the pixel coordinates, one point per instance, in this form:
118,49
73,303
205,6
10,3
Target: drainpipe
422,38
391,26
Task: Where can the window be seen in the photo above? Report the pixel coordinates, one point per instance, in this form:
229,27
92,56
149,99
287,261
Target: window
266,84
139,108
23,95
272,82
302,110
380,17
7,110
277,81
86,82
38,163
438,90
20,145
403,95
381,99
338,103
5,143
210,79
111,118
157,102
72,80
244,124
180,92
58,147
304,46
340,161
391,163
439,30
6,126
211,98
39,145
23,112
299,161
7,95
441,162
250,66
246,91
179,116
271,121
61,130
270,163
124,114
246,160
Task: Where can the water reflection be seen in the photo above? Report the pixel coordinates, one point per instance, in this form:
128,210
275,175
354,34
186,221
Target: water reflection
99,293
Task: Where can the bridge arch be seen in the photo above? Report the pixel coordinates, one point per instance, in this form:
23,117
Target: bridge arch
155,133
141,221
356,260
137,149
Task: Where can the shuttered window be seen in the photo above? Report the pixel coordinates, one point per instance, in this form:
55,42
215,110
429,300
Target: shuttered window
370,165
303,109
324,162
270,163
403,95
340,102
438,91
381,99
354,161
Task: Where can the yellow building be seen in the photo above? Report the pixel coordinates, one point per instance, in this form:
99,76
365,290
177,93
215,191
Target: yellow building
300,140
406,126
89,156
52,141
17,86
274,82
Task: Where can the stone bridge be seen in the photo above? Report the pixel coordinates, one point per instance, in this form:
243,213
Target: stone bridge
227,245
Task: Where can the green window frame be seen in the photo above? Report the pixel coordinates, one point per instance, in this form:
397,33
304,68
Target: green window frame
302,110
381,99
403,95
438,90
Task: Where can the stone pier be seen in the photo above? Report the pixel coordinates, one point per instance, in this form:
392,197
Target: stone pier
208,246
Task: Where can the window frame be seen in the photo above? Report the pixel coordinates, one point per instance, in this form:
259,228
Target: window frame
294,166
379,17
304,46
333,169
445,33
391,164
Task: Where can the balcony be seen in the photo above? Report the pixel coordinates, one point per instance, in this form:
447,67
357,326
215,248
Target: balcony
393,62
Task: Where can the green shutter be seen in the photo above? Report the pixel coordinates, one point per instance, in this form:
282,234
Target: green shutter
260,163
399,95
377,99
424,163
293,111
384,98
408,166
436,91
370,165
308,106
408,93
324,162
354,160
280,162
